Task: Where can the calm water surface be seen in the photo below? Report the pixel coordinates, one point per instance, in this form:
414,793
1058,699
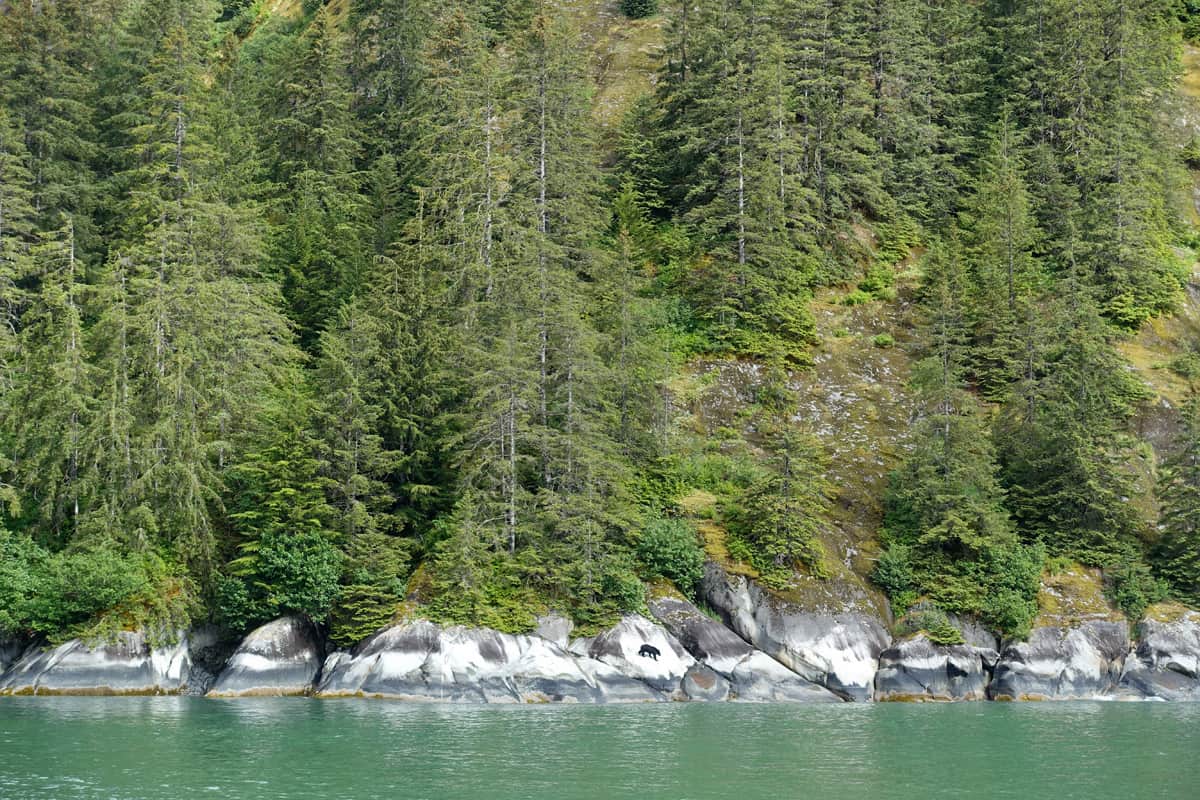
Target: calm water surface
177,748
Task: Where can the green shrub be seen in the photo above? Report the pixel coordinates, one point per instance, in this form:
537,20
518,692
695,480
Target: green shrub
894,573
668,548
878,283
87,592
933,623
625,589
1186,366
857,298
282,573
636,9
883,340
1131,587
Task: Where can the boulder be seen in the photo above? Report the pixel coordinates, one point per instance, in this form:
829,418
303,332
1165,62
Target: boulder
129,665
426,662
703,637
834,642
280,658
703,683
753,675
758,678
974,633
1063,663
1166,663
917,669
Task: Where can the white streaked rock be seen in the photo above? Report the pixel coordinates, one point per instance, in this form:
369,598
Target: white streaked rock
282,657
129,665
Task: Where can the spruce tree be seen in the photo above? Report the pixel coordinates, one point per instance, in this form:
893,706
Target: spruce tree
1006,277
17,236
1177,555
45,84
1062,441
49,405
322,248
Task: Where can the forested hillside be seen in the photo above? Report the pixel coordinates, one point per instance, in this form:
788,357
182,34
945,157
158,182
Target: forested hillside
494,307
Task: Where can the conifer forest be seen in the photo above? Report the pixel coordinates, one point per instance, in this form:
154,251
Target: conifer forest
491,307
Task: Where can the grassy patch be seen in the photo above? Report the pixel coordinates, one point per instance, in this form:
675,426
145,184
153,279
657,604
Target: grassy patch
1170,612
1072,596
625,57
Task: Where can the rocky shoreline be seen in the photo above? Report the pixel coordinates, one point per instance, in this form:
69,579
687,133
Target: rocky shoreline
762,649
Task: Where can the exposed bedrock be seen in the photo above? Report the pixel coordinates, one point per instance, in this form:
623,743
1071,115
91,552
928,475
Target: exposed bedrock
1166,661
130,664
1063,663
918,669
835,643
424,661
749,674
282,657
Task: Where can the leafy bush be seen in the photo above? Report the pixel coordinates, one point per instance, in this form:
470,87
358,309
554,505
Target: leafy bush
281,573
883,340
87,592
1009,578
879,283
636,9
625,589
668,548
1186,366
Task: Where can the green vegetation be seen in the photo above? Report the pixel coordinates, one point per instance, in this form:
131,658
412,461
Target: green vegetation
933,623
323,308
636,9
668,548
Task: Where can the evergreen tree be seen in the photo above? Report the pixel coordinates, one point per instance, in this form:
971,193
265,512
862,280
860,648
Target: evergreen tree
1005,275
322,247
199,345
779,516
17,235
730,123
45,85
48,406
1177,555
1062,443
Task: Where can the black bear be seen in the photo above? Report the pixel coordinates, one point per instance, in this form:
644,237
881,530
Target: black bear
650,651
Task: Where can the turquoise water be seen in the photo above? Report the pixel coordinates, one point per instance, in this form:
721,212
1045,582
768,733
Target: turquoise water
181,748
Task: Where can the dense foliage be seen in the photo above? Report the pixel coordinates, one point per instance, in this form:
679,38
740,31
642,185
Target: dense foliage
321,307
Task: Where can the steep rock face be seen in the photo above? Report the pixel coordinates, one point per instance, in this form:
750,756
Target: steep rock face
916,669
619,647
10,651
424,661
282,657
1166,663
752,675
210,649
834,645
130,665
1062,663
